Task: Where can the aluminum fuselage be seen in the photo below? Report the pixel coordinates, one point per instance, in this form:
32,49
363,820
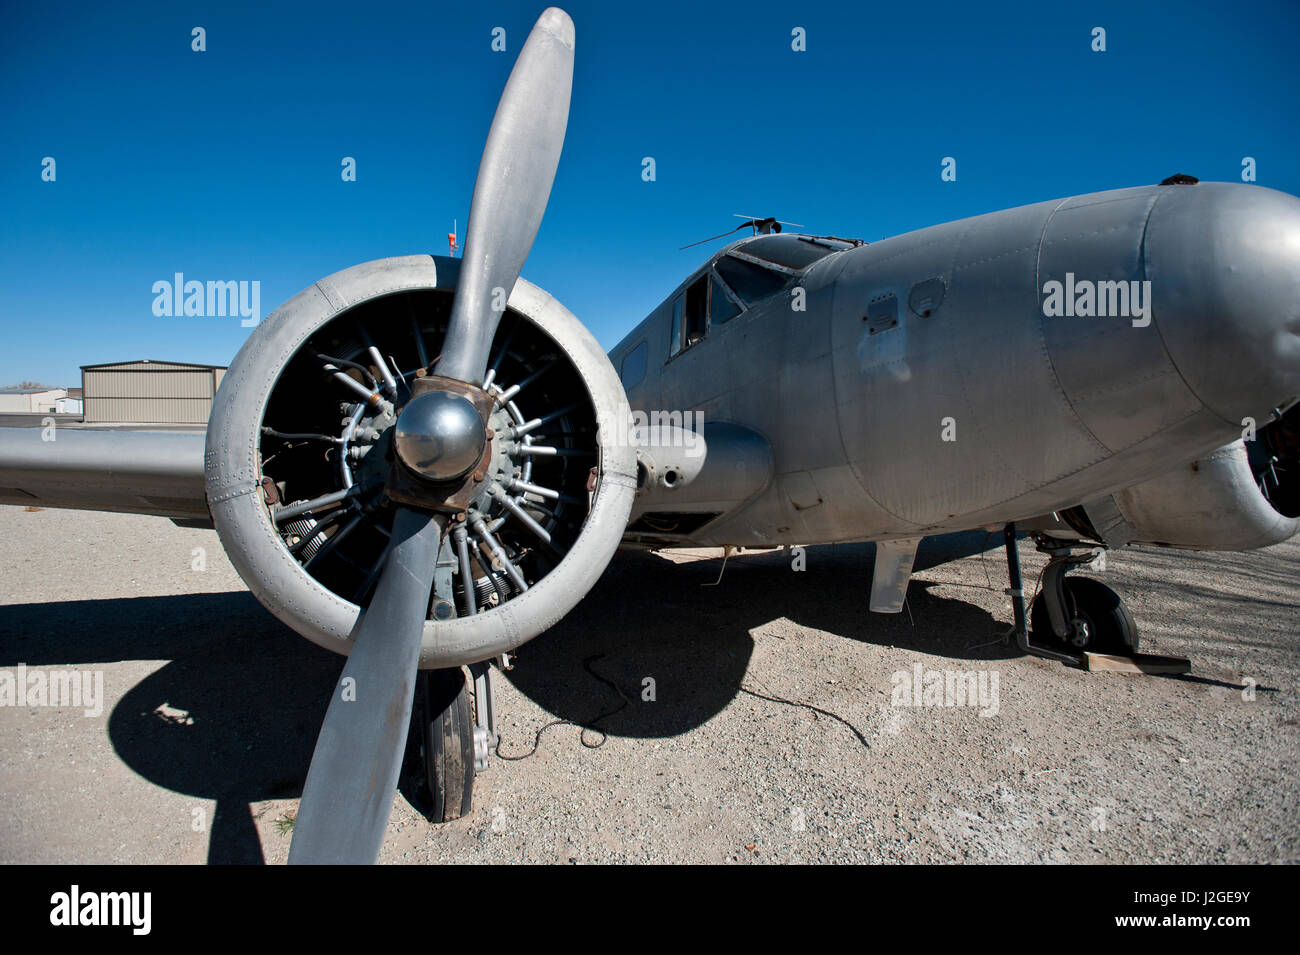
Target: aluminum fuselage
986,409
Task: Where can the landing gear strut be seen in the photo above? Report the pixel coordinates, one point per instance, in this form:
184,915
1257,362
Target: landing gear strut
1069,617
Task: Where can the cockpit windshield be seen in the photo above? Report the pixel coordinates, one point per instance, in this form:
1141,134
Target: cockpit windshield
792,251
751,282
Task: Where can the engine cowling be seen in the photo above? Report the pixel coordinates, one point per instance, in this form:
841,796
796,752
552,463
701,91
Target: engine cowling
1242,496
296,459
1214,503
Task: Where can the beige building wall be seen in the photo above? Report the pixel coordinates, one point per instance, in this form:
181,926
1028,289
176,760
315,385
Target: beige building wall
41,402
149,392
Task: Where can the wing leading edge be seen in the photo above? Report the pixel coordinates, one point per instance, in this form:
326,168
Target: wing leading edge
135,472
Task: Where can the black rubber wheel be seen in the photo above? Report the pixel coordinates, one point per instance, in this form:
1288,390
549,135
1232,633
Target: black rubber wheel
1107,626
448,742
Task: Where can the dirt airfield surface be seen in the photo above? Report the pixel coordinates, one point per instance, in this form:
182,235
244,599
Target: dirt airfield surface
211,709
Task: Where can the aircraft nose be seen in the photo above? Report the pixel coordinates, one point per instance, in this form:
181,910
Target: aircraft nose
1223,260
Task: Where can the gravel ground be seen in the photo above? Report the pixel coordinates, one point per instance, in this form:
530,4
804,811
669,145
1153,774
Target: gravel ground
211,710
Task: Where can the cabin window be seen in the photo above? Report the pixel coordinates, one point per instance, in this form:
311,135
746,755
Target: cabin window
633,368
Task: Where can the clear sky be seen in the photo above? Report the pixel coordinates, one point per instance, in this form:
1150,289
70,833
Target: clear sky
225,164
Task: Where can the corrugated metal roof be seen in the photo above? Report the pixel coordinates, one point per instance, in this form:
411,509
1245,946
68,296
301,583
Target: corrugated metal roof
152,363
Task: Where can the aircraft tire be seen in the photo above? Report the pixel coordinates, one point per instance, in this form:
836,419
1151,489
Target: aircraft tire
1110,626
448,742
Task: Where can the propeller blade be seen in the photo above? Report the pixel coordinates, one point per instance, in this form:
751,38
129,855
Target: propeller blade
349,792
737,215
511,191
354,770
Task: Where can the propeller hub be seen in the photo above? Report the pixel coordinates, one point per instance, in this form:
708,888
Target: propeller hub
439,436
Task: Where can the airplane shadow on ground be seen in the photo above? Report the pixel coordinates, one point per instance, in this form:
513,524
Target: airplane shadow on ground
651,617
234,717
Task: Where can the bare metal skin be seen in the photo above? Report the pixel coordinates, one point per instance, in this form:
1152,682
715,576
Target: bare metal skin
1049,412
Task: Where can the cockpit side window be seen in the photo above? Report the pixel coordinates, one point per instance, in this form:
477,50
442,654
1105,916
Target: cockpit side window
675,332
707,302
696,312
690,322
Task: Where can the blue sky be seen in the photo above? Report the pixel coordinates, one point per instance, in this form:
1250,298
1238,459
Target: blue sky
226,164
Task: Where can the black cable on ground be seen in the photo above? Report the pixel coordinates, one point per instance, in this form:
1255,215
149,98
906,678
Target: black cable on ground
590,726
815,709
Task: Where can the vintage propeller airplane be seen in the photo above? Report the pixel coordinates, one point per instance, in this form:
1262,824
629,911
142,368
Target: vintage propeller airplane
424,462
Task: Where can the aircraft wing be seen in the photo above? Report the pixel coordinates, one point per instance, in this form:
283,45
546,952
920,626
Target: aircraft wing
136,472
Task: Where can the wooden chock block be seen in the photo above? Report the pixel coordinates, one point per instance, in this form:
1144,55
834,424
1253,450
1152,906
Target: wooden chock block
1137,663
